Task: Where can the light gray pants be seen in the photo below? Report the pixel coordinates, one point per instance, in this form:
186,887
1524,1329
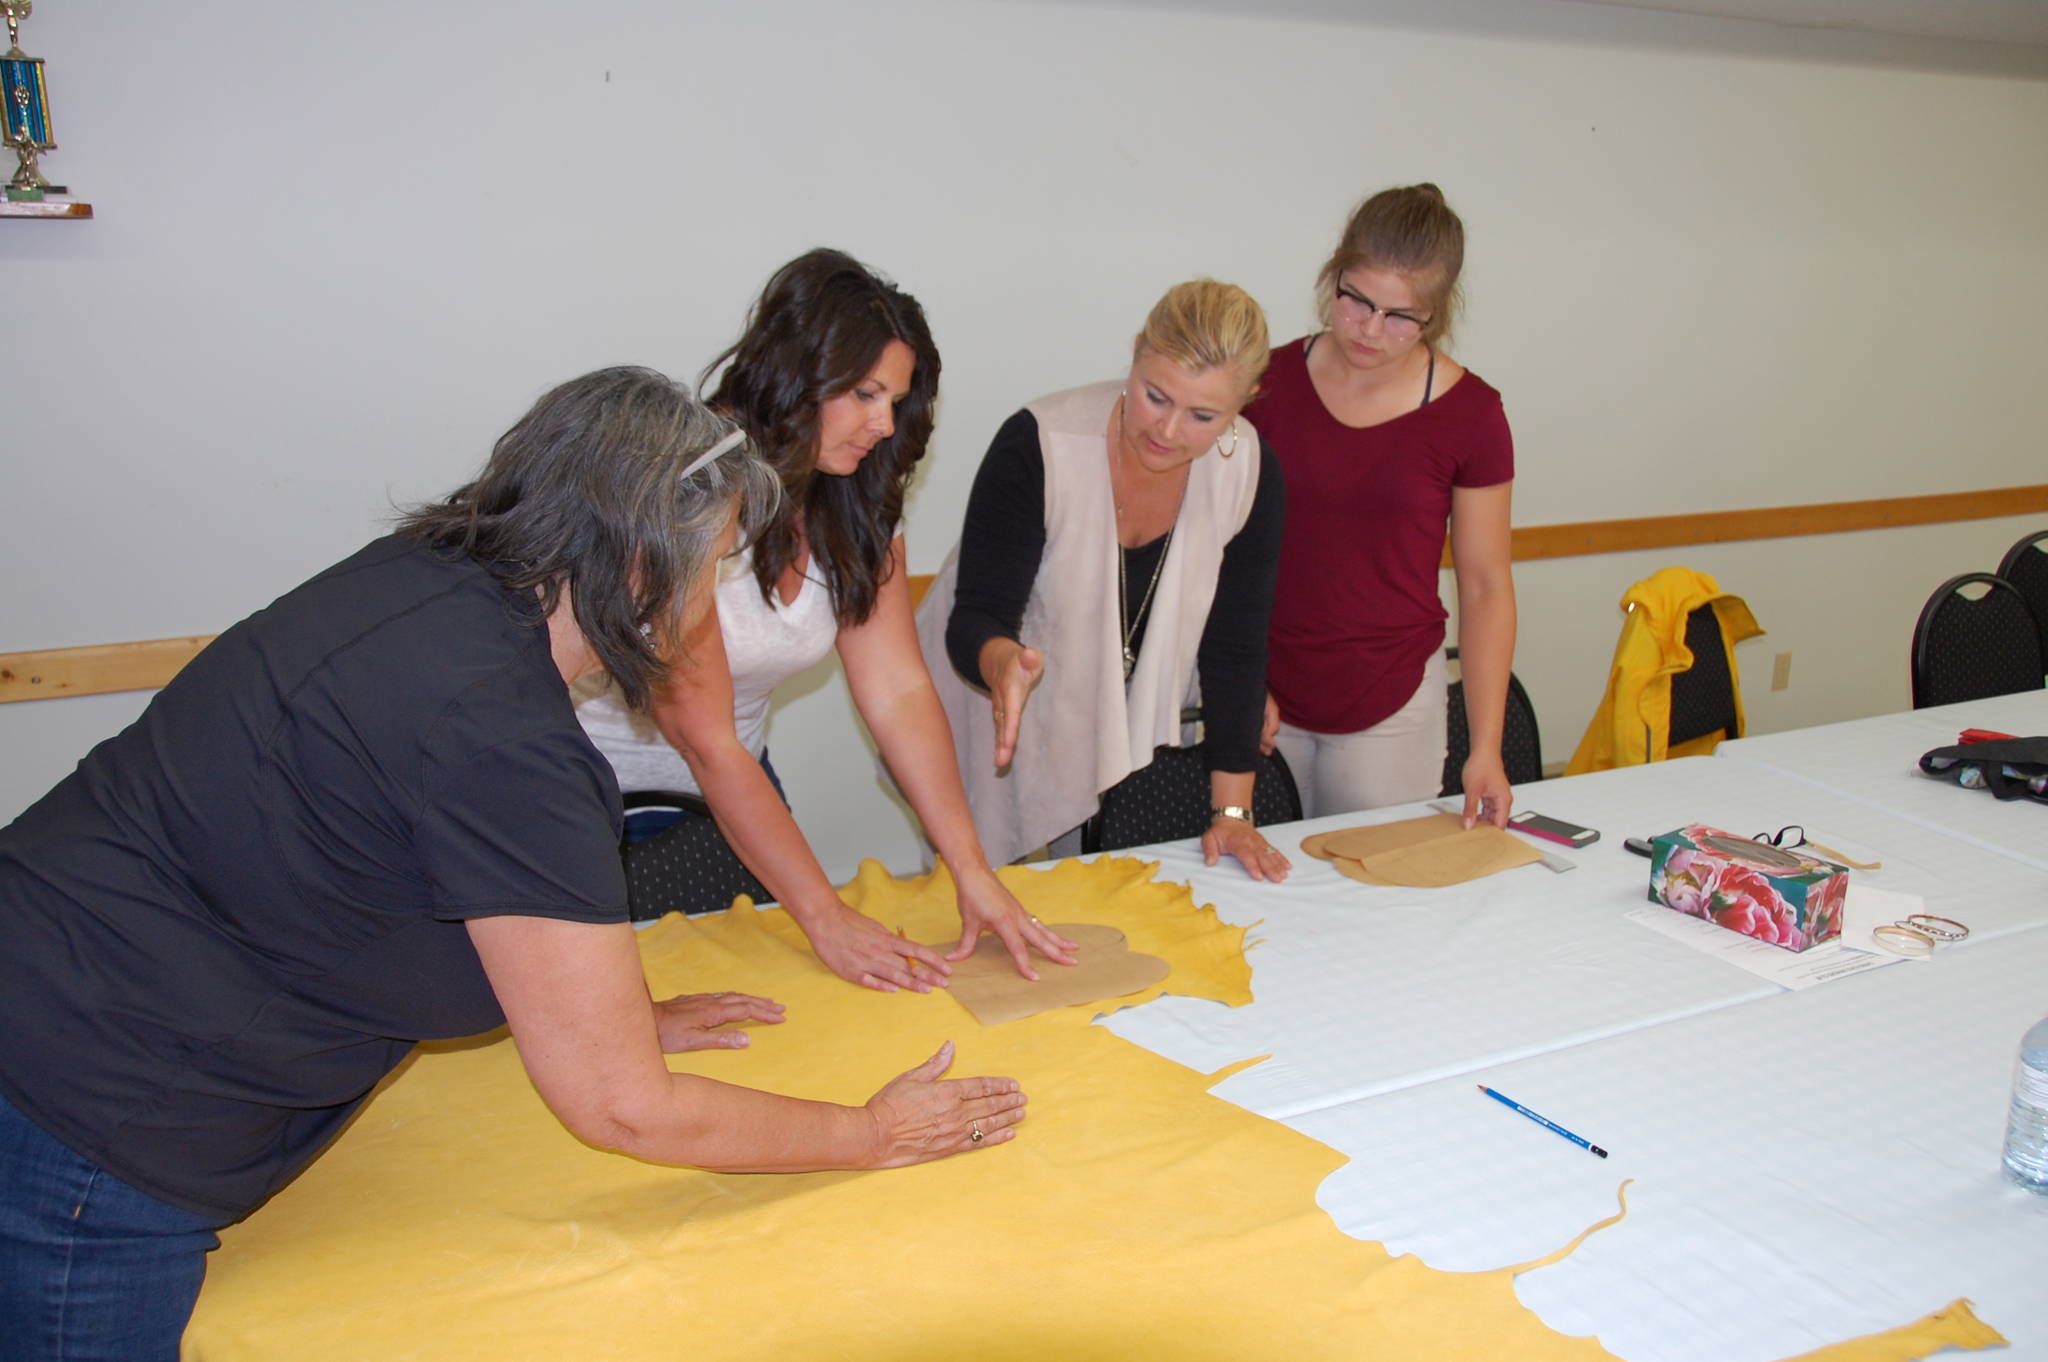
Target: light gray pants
1398,760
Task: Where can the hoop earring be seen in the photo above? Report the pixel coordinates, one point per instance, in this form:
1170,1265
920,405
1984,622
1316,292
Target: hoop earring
1226,453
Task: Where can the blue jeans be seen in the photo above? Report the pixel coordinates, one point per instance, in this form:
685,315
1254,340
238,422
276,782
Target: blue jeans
91,1270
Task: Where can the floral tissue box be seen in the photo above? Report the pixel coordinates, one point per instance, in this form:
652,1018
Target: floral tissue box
1771,893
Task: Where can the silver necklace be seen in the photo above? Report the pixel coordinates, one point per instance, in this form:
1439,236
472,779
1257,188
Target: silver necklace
1125,619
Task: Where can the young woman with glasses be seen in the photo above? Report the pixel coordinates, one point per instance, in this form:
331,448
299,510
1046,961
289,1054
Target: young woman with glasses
1386,441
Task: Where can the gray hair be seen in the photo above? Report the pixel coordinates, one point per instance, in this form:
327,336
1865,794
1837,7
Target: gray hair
593,492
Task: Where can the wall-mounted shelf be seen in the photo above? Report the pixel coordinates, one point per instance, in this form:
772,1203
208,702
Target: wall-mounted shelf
47,208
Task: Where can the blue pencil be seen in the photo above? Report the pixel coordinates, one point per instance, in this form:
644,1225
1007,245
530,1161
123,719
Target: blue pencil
1543,1121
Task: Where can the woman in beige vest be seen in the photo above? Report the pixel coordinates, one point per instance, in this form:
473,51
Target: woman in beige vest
1117,563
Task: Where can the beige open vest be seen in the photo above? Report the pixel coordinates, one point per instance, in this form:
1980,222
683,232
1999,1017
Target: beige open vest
1082,730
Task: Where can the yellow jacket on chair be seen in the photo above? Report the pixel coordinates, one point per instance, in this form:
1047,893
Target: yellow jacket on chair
1633,723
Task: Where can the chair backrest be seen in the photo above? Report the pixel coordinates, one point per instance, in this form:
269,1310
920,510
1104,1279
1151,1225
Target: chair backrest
1521,745
1703,695
687,867
2026,566
1966,649
1168,801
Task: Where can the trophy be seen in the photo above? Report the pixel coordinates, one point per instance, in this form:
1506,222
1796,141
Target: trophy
25,104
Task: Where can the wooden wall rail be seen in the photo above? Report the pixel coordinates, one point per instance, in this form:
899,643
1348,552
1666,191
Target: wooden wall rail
145,666
1772,522
95,670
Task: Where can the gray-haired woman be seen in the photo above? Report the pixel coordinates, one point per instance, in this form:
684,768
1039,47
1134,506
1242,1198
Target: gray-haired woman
367,816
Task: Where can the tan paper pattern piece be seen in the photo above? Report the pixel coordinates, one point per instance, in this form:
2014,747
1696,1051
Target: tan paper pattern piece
1135,1215
987,984
1431,852
1376,839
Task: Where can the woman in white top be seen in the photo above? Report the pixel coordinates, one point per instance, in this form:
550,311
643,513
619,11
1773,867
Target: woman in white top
834,381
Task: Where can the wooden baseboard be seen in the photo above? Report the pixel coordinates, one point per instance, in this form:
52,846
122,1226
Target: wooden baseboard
106,667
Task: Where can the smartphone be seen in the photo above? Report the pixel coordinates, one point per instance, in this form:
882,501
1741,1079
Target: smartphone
1553,830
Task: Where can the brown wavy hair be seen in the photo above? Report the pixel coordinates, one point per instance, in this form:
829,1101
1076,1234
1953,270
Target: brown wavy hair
818,329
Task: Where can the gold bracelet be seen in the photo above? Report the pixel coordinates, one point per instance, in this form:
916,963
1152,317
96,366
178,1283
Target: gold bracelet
1903,940
1237,811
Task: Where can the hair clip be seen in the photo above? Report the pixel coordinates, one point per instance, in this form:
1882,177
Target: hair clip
732,437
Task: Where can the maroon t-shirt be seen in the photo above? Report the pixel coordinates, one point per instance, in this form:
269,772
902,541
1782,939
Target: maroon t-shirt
1356,613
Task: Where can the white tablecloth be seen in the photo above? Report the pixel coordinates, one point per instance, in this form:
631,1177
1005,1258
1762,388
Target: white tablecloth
1363,990
1876,761
1810,1165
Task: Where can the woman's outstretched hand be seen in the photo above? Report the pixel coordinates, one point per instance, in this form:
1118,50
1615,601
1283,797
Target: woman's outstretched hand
987,905
691,1021
922,1115
1011,672
862,951
1235,837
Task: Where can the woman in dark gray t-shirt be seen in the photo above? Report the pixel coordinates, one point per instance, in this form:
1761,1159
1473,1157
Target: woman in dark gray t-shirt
364,817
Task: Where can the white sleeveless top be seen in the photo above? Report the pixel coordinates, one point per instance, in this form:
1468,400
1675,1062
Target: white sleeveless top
1084,729
766,643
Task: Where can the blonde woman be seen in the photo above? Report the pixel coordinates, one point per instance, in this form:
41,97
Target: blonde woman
1117,561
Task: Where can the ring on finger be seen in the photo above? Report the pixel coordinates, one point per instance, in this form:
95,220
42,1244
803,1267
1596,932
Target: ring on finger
974,1132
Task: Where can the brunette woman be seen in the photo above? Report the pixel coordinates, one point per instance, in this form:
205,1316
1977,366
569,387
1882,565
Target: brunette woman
834,381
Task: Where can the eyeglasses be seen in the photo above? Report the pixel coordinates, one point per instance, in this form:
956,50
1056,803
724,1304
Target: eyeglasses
1787,837
1355,306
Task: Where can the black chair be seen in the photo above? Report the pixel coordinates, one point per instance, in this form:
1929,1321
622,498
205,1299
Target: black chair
1965,649
1703,695
2026,566
687,867
1521,744
1168,800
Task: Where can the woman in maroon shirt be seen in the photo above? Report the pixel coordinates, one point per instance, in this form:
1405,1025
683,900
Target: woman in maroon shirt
1385,441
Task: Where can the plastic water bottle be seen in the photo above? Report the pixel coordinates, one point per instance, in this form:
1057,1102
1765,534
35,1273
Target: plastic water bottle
2026,1133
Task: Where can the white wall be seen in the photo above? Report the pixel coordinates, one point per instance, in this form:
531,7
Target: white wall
338,248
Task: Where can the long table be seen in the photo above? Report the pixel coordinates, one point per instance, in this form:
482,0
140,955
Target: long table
1809,1165
1876,761
1365,990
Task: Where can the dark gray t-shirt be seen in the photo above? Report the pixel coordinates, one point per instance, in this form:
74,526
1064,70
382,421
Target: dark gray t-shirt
241,912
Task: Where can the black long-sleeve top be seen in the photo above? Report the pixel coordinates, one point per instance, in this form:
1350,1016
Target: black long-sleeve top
1003,539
